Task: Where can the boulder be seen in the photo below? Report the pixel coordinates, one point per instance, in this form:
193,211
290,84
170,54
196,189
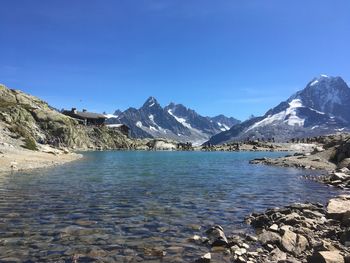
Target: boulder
269,237
338,206
277,255
291,219
204,259
274,228
318,149
344,163
339,176
344,169
294,243
327,257
260,221
217,236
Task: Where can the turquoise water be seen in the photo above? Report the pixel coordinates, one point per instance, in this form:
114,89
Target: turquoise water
136,206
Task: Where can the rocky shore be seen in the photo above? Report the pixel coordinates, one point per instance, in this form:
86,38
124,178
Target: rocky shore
259,146
329,153
337,178
298,233
310,233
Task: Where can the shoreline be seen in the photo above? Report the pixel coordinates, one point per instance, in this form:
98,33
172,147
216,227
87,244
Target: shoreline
14,159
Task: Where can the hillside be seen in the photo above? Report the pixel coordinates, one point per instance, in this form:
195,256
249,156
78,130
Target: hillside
31,122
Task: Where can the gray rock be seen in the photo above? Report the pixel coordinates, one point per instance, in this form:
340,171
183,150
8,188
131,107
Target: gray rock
344,163
345,238
217,236
346,219
274,228
277,255
269,237
339,176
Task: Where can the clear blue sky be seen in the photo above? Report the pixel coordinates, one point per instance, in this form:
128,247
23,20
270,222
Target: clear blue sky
235,57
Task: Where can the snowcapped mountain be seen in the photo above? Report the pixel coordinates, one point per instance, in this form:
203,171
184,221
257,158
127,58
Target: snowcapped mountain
174,121
321,108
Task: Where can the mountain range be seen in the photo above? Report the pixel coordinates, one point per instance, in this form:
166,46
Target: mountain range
175,121
322,107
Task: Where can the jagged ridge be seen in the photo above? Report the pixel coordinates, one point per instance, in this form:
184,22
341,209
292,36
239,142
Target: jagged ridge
321,108
175,121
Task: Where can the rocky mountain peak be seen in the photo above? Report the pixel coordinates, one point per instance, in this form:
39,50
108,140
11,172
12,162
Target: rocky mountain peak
171,105
325,94
117,112
322,107
179,108
325,82
175,121
151,102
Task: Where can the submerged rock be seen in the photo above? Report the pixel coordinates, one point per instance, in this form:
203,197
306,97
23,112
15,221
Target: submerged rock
217,236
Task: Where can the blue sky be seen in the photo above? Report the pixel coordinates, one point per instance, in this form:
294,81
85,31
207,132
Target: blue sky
235,57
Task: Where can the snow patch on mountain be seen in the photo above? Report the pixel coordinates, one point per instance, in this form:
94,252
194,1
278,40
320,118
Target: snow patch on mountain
151,118
180,120
314,82
139,124
223,127
288,116
152,128
157,127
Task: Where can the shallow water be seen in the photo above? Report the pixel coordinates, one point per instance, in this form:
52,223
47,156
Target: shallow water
131,206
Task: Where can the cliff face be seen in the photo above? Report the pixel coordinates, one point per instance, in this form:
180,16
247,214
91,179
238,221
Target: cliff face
32,121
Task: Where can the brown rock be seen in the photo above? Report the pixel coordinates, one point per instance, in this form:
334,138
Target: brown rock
277,255
327,257
294,243
338,206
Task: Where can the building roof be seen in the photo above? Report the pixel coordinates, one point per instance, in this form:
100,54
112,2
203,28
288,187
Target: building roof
84,114
90,115
116,125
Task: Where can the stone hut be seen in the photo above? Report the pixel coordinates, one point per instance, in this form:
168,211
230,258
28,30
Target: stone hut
85,117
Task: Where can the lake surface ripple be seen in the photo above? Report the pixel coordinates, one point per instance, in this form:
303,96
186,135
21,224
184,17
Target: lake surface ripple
139,206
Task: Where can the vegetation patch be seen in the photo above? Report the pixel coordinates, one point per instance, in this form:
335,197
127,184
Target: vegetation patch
30,144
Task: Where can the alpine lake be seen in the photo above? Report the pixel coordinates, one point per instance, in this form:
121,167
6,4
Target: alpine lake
134,206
